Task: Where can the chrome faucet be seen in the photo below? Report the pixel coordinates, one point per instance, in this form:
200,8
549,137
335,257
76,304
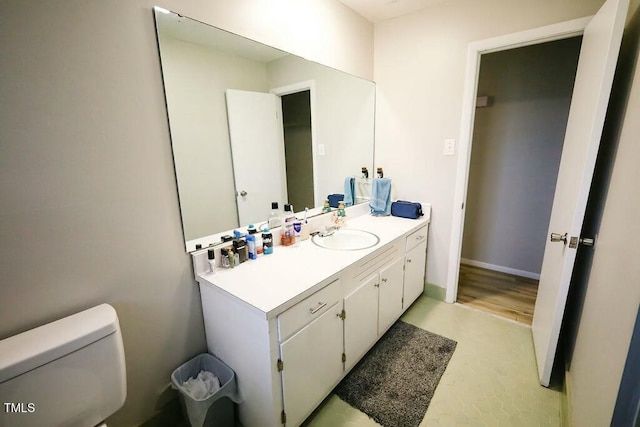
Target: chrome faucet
329,230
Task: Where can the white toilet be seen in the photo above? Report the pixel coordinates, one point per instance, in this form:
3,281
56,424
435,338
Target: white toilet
70,372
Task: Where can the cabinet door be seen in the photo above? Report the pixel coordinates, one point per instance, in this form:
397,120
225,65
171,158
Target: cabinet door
414,268
361,321
312,364
390,296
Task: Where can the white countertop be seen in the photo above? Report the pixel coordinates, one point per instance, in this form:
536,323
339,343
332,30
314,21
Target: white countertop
275,282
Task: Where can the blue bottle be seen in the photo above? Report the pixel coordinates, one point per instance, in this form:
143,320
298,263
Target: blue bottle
267,241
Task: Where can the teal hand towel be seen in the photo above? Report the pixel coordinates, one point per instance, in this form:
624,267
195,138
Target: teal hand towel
380,202
349,191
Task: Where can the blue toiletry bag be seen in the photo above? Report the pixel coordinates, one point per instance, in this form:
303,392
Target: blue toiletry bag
334,199
405,209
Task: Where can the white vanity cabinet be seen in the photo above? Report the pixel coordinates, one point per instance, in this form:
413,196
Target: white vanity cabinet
290,338
311,358
361,329
414,266
373,301
390,301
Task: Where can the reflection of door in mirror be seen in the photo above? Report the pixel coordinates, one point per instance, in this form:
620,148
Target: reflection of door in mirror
296,116
199,63
255,132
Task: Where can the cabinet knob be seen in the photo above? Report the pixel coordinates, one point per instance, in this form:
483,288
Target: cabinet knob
408,260
384,280
377,285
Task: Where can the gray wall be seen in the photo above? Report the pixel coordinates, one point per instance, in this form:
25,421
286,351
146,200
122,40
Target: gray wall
516,149
89,207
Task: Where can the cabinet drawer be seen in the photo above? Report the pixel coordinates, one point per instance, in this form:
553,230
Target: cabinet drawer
415,238
308,309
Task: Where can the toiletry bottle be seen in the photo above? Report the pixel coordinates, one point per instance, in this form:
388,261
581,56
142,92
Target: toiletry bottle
380,174
236,257
275,217
365,172
341,211
267,241
326,207
252,242
341,218
297,232
224,258
241,250
251,245
211,256
259,246
287,237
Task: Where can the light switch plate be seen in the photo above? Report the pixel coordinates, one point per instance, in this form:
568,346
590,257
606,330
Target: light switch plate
449,147
321,149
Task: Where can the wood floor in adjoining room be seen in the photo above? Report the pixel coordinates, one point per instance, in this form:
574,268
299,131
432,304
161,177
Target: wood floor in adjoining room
506,295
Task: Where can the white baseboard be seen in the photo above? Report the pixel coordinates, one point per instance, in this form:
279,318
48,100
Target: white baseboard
500,268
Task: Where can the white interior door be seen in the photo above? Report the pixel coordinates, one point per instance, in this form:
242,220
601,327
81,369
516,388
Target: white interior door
594,77
257,148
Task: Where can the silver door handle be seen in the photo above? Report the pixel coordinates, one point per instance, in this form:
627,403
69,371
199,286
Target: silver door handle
587,242
243,193
557,237
318,308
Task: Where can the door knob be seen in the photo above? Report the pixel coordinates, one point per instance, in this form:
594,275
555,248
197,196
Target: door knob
557,237
243,193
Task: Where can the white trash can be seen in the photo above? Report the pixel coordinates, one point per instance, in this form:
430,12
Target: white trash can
216,410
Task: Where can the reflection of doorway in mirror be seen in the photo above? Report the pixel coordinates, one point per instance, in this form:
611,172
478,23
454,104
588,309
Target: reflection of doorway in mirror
296,118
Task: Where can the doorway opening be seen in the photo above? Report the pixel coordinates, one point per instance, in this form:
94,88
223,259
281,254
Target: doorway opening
523,101
298,148
298,107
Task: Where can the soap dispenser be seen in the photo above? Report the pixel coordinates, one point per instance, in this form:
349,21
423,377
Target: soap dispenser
341,215
341,211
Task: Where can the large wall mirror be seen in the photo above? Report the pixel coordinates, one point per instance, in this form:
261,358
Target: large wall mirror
251,125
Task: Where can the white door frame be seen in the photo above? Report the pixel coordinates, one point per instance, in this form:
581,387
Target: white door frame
547,33
309,85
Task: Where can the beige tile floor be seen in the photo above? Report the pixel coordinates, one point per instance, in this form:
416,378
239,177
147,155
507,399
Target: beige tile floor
491,379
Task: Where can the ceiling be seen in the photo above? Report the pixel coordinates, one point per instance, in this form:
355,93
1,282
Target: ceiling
381,10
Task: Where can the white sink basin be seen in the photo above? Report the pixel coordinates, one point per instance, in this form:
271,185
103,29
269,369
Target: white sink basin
347,240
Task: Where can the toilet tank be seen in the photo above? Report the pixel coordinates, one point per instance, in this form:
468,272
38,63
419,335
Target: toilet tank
70,372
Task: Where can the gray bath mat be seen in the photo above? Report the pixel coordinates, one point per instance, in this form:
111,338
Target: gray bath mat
395,381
